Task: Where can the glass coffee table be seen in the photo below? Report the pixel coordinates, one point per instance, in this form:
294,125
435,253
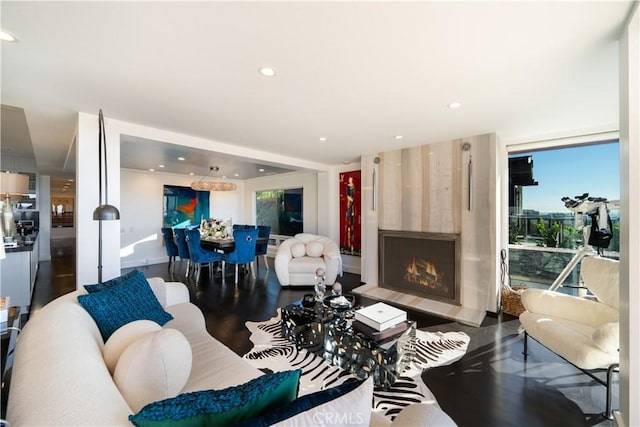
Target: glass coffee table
328,333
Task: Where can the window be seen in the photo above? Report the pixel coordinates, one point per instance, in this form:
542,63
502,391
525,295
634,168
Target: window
544,232
281,210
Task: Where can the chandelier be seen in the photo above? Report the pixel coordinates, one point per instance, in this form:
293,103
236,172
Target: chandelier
202,185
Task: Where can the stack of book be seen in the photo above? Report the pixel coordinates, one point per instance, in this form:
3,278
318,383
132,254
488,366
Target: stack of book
380,321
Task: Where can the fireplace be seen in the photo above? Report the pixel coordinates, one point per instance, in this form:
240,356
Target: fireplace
422,264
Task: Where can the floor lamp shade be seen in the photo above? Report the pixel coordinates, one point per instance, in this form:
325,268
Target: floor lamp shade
106,213
14,184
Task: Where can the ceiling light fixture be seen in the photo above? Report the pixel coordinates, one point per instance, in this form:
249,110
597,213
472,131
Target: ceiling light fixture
260,170
398,137
181,159
323,139
6,37
267,71
203,185
454,104
160,166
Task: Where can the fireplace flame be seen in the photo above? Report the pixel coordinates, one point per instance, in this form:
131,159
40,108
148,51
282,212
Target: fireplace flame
423,273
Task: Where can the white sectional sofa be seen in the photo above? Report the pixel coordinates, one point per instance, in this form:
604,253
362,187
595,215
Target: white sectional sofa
60,377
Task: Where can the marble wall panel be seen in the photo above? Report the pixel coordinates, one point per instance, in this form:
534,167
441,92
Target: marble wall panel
427,188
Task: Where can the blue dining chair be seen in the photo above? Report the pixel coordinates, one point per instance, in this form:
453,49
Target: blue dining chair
244,251
199,255
183,248
243,227
170,246
261,248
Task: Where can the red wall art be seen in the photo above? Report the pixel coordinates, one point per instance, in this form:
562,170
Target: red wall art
350,217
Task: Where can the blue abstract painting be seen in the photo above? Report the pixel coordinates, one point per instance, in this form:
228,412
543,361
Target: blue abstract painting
184,206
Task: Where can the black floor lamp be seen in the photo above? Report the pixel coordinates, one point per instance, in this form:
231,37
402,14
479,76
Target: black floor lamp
104,212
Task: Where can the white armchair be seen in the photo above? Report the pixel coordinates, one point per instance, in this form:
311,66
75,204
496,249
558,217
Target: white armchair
583,331
298,258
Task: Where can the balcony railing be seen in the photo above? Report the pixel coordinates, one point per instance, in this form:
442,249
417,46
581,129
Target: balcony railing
537,267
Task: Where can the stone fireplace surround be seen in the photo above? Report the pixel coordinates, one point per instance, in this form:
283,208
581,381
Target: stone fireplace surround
429,189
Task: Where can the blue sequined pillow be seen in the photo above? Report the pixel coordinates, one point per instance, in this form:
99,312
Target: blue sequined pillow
224,407
121,303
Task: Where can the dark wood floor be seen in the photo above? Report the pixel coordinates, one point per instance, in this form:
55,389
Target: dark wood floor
490,386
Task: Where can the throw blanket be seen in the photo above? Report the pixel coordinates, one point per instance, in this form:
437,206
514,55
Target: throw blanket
272,353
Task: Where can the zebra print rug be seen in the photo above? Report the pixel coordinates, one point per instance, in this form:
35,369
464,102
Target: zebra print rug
272,353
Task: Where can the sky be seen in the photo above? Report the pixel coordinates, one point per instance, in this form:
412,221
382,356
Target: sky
593,169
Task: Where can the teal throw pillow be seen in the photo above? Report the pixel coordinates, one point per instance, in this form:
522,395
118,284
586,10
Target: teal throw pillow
122,303
224,407
115,281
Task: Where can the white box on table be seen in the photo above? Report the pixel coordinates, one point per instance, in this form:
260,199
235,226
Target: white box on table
380,316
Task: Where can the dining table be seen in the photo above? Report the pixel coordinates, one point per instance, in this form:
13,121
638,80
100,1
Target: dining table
223,244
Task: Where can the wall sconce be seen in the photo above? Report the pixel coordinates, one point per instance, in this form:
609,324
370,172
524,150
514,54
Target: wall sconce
466,147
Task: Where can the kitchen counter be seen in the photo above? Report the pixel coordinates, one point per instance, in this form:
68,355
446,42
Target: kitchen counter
25,244
18,271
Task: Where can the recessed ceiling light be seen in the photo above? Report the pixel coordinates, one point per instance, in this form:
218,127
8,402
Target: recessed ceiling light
235,174
398,137
347,162
160,166
267,71
152,170
323,139
191,173
6,37
454,104
70,180
260,170
181,158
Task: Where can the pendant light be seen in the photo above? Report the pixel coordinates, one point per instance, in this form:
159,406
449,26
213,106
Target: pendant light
205,185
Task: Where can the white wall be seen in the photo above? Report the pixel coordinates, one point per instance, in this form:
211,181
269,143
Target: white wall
141,213
630,220
44,233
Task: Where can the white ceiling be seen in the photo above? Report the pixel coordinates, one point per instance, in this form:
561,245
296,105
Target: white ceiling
140,153
357,73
